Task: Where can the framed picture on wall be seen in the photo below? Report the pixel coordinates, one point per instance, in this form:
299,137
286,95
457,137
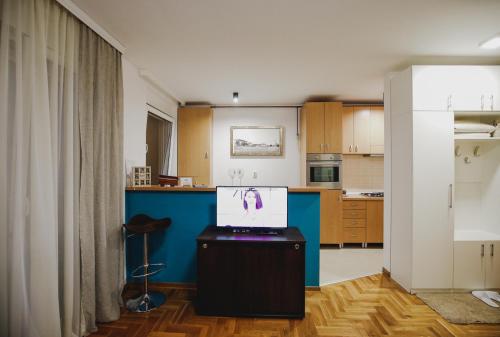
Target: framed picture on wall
256,141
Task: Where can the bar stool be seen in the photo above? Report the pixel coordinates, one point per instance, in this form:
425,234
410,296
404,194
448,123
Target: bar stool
143,224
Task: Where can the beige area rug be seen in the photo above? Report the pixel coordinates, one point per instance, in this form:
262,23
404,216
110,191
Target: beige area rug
461,308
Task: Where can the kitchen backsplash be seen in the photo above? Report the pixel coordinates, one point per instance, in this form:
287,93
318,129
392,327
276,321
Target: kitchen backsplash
363,173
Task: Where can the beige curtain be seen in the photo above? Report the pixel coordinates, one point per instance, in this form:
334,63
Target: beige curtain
101,187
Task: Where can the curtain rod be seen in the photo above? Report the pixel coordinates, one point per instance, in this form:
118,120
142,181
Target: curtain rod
160,110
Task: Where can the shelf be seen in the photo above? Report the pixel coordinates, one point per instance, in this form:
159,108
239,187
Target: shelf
466,137
464,235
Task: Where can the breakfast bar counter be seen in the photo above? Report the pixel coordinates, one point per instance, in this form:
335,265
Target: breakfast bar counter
192,209
158,188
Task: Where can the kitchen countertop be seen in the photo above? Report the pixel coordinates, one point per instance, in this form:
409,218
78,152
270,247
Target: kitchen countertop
157,188
358,197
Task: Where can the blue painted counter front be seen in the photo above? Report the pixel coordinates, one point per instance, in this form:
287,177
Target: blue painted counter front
191,212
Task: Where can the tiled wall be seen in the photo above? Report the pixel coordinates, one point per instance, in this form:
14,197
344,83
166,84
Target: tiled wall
363,173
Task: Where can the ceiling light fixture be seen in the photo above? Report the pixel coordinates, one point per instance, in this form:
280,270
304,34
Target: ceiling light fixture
491,43
235,97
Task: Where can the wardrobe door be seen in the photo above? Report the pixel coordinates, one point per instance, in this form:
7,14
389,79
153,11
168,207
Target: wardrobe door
492,264
433,179
468,265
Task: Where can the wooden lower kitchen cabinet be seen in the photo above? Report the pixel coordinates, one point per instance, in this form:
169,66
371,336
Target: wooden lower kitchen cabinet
331,217
375,221
354,221
363,221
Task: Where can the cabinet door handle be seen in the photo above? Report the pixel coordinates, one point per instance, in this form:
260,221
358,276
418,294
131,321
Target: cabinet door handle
491,102
492,251
449,104
321,147
350,148
296,246
356,148
205,246
450,196
482,250
206,155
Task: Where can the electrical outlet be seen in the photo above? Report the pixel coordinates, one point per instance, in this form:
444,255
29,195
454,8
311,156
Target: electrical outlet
254,174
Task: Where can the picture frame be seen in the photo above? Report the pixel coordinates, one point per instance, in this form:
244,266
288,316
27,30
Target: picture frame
257,141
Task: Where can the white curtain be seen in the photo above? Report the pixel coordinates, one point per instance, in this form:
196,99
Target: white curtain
39,163
165,138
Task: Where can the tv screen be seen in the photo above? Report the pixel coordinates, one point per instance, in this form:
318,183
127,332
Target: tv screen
252,207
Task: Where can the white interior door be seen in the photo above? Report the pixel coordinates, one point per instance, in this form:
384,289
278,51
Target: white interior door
433,172
469,269
492,264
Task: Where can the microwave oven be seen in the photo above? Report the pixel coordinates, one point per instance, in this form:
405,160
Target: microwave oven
324,169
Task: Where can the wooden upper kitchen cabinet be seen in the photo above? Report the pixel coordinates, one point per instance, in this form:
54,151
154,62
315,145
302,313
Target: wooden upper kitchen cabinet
377,130
331,217
333,127
315,126
194,141
375,221
363,130
323,127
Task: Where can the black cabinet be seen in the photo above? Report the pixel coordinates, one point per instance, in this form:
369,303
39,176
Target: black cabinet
251,275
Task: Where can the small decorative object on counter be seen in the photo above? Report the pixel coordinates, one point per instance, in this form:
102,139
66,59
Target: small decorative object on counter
186,181
141,176
168,180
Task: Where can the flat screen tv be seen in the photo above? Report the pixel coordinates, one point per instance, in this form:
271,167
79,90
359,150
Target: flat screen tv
252,207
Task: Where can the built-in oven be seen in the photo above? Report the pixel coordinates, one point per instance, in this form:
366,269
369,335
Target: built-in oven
324,170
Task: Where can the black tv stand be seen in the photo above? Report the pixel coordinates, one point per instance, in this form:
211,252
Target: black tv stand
248,274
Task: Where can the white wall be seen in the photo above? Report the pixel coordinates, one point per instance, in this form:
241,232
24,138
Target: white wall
387,171
283,170
135,116
136,94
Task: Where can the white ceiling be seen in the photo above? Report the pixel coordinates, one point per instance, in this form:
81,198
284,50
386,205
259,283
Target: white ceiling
286,51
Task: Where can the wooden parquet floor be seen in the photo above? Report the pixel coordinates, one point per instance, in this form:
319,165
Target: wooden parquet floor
369,306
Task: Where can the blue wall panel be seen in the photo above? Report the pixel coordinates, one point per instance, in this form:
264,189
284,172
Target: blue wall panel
191,212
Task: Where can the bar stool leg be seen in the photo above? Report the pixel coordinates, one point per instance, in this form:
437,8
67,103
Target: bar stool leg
148,300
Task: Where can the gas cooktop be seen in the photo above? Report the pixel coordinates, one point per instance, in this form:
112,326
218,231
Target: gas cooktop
373,194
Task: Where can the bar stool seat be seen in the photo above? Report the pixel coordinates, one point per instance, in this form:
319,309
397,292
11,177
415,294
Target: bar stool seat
144,224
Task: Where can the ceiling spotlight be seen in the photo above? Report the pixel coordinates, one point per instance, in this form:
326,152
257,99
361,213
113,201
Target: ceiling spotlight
235,97
491,43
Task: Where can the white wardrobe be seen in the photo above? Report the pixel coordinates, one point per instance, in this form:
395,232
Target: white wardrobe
444,211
